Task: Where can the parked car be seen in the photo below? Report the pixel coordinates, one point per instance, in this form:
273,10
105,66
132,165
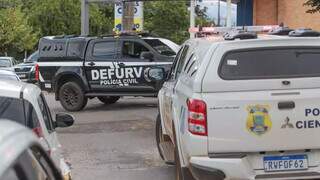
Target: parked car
8,75
7,63
80,68
243,106
26,70
22,156
25,104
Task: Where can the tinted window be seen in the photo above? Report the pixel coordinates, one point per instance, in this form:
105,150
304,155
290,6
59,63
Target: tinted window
271,63
131,49
76,48
104,49
12,109
33,57
181,61
160,47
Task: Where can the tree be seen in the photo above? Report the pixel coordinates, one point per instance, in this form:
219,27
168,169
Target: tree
314,5
59,17
15,32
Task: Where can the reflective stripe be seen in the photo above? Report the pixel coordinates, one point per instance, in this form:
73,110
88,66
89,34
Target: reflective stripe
43,64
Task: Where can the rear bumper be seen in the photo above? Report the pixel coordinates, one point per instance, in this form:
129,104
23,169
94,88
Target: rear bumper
239,168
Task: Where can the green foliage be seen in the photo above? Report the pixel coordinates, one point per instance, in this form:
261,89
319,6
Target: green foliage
314,5
167,19
15,32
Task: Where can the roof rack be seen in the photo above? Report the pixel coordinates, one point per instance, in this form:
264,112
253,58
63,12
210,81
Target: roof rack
65,36
304,32
130,33
219,30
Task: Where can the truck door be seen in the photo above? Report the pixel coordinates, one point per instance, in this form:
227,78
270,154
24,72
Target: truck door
99,63
132,67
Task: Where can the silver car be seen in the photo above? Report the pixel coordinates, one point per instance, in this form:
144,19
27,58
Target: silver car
25,160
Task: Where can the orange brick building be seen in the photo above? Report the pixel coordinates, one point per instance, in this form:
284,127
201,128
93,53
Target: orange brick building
291,12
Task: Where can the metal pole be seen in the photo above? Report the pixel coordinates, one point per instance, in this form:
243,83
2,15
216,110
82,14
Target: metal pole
84,18
229,14
128,16
192,16
219,17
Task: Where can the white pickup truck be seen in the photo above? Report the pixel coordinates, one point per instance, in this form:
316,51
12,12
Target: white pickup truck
243,109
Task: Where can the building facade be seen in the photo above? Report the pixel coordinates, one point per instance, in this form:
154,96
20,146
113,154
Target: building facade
270,12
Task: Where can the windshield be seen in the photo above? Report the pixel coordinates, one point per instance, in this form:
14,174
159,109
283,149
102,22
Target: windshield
33,57
160,47
271,63
4,62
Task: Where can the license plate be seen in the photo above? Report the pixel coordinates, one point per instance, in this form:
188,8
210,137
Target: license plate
22,75
285,163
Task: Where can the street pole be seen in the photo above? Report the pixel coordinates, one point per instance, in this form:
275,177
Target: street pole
229,14
219,17
84,18
192,16
128,16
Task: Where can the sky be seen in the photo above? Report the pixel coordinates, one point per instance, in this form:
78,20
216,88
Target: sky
212,11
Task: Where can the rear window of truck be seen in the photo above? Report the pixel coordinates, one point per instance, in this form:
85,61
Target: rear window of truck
270,63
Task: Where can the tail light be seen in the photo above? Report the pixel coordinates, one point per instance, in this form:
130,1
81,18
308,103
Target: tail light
38,132
37,72
197,117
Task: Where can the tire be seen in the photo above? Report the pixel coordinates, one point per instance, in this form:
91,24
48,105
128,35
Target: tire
72,97
109,99
159,135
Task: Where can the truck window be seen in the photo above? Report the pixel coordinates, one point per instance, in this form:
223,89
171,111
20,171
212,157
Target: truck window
104,49
131,49
270,63
160,47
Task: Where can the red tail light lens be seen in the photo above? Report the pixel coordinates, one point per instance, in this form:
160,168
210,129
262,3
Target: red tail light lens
38,132
37,72
197,117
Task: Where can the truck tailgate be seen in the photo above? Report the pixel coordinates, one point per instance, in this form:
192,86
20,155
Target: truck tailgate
263,120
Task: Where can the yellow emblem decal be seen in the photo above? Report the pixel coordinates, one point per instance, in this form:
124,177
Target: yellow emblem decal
258,121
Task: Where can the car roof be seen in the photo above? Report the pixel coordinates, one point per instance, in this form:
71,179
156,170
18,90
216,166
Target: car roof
14,140
13,89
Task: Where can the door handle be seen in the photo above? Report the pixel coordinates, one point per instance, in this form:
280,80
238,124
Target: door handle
121,64
286,105
91,63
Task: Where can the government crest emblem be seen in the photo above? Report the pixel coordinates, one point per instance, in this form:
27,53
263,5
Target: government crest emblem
258,120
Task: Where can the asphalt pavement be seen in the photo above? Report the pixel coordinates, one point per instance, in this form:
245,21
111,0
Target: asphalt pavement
113,142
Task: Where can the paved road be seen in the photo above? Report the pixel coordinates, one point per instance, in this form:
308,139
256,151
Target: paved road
114,142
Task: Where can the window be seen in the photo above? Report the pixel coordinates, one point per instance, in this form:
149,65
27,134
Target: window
45,112
12,108
182,60
104,49
160,47
131,49
271,63
5,62
11,174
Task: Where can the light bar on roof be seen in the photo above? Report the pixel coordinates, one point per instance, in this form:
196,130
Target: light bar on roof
217,30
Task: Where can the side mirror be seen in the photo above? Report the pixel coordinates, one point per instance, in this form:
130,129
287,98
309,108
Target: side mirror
64,120
147,55
156,74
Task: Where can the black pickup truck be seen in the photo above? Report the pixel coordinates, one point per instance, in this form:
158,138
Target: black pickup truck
80,68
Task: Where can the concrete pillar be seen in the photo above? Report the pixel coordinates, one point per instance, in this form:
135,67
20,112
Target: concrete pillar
84,17
229,14
192,16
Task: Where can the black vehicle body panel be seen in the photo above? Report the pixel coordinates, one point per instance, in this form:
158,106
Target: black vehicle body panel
73,59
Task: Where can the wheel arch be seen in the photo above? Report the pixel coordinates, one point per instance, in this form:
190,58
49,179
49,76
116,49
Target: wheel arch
65,77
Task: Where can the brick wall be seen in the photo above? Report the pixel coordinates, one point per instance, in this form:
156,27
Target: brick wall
291,12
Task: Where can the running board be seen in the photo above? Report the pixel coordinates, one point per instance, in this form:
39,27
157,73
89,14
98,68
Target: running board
168,152
121,94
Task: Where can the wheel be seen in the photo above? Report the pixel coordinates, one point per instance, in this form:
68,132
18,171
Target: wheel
109,99
159,135
72,97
